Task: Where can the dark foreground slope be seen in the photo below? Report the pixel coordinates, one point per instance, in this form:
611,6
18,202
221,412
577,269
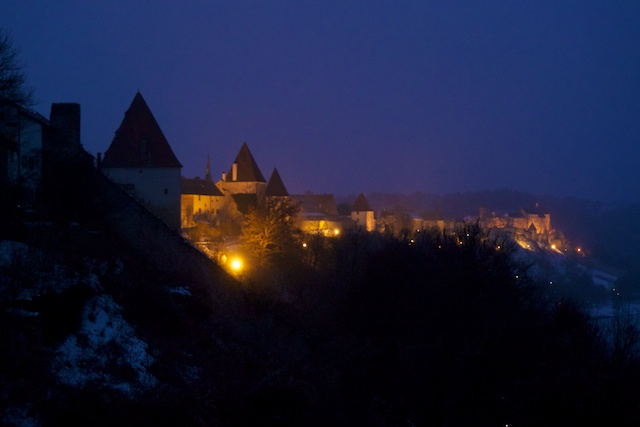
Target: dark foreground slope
364,329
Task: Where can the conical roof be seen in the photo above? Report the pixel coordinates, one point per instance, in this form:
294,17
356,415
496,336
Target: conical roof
275,186
248,170
139,142
361,204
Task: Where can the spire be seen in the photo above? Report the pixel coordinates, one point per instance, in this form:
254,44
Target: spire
247,169
207,173
139,142
275,186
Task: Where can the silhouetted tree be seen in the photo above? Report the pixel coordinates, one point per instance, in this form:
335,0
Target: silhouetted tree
270,227
14,93
13,86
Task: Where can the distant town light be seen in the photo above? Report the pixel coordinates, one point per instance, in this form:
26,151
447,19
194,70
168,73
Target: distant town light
336,232
304,245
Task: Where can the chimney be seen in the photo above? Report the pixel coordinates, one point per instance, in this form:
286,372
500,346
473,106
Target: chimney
234,172
224,176
65,126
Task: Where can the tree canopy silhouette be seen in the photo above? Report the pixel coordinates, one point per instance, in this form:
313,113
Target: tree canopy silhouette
270,227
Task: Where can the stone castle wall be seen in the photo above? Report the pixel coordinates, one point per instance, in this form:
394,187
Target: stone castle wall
158,244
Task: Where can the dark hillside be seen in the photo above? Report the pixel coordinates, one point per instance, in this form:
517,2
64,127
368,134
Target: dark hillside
109,319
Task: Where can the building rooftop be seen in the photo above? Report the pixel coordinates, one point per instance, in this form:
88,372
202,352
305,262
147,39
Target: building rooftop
203,187
275,186
317,203
247,169
139,142
361,204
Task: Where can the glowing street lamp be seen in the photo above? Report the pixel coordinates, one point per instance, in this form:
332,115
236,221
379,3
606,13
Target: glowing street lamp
236,265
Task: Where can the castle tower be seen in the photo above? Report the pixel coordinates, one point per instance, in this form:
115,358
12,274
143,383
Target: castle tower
244,176
142,162
275,186
362,214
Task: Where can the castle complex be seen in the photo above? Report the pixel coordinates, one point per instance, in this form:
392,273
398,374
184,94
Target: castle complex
141,162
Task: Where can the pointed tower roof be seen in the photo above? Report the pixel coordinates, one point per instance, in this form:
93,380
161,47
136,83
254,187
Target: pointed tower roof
275,186
207,172
139,142
248,170
361,204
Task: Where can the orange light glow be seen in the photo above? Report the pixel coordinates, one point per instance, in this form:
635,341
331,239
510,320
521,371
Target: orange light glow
236,264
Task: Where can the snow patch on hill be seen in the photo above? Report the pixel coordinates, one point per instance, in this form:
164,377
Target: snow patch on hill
105,352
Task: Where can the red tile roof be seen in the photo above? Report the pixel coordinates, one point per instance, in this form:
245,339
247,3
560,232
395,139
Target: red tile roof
139,142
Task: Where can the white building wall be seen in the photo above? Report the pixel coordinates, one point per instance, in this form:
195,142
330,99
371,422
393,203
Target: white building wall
364,219
156,188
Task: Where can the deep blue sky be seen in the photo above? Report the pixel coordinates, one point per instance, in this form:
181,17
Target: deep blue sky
344,97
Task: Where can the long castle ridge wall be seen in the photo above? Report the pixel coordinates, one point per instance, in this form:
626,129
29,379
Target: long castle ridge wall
159,245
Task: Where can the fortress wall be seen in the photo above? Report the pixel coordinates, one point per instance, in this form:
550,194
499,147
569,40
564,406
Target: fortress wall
160,245
542,224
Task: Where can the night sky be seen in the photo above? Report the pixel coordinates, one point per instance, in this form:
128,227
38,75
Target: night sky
343,97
